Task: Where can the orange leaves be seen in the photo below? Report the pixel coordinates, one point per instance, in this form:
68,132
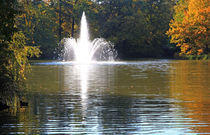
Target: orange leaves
200,51
186,49
192,31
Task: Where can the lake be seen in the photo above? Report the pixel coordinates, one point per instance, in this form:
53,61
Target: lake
154,97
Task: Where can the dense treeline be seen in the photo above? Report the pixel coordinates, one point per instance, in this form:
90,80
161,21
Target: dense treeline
136,27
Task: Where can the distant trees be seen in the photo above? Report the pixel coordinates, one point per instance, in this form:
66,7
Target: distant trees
189,28
38,23
71,12
45,23
137,27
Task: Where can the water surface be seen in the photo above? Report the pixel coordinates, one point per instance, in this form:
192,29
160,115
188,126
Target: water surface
157,97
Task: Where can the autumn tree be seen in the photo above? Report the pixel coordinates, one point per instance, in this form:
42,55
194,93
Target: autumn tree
38,23
189,28
136,27
14,52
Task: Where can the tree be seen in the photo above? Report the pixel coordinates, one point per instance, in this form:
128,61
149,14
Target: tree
71,12
189,29
137,27
158,14
13,52
38,23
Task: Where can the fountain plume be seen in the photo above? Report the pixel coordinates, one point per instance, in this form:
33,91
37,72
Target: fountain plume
83,50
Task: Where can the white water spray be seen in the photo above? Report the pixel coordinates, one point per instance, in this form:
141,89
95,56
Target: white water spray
83,50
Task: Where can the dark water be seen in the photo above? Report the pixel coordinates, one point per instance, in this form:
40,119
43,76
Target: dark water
160,97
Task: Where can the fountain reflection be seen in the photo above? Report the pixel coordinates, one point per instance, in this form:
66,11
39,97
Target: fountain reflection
76,76
83,73
77,80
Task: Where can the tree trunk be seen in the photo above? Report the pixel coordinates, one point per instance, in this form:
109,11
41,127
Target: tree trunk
72,28
73,21
60,29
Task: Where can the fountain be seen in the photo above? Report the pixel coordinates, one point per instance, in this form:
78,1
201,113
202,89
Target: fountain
83,50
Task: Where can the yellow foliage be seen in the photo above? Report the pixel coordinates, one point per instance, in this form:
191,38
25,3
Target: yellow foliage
192,32
19,64
200,51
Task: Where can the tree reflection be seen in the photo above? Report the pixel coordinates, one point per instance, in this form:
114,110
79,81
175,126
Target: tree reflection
189,83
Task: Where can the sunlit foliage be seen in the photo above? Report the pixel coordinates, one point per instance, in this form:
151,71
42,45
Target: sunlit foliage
137,27
190,27
38,24
14,52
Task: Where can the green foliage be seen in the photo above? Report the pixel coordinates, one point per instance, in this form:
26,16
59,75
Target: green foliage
7,28
7,15
39,25
18,63
40,22
71,12
137,27
13,53
180,9
196,57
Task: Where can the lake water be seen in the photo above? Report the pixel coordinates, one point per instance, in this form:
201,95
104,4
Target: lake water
154,97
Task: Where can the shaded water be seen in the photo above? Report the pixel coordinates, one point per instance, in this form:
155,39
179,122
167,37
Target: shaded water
143,97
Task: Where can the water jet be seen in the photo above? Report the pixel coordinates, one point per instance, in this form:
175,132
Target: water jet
83,50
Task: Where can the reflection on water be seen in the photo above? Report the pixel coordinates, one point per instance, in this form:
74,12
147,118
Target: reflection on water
190,84
144,97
